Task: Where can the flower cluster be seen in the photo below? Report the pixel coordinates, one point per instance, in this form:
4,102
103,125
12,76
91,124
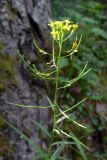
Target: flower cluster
60,28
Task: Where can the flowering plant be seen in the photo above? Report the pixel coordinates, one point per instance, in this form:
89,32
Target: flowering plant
61,31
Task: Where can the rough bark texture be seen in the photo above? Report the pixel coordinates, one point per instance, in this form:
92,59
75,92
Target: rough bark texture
20,21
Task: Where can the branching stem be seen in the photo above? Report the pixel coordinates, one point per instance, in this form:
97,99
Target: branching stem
55,100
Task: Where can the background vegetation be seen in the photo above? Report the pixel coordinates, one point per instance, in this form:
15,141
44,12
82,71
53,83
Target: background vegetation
91,17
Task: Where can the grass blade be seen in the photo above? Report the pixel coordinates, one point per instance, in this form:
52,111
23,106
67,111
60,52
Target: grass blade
57,152
40,157
25,106
63,142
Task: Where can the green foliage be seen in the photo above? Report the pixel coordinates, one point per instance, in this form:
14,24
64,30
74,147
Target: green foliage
57,153
99,32
89,15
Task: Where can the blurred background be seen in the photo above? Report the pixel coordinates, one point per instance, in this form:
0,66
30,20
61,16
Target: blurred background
20,22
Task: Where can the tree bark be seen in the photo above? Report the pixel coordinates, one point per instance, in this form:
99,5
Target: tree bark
20,22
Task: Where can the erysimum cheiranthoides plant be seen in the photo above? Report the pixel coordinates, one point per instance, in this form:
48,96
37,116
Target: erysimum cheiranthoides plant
61,31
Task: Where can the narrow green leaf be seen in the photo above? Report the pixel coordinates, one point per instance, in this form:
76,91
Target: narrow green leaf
33,69
68,117
73,107
75,79
63,142
40,157
80,125
50,102
25,106
39,49
57,152
55,130
64,113
64,117
74,138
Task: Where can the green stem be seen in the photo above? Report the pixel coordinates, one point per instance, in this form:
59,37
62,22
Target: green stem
55,102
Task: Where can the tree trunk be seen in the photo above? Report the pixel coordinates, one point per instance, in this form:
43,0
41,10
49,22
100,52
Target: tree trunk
20,22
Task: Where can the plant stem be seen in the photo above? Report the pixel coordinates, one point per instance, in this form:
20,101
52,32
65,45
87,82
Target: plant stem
55,101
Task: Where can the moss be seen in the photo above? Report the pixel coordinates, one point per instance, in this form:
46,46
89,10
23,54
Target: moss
4,145
6,149
11,12
1,46
2,121
7,72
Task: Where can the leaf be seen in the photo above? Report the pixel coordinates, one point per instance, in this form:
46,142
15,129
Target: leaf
99,32
55,130
25,106
39,157
33,69
43,129
72,107
64,117
72,137
82,74
57,152
80,125
63,142
50,102
39,49
70,116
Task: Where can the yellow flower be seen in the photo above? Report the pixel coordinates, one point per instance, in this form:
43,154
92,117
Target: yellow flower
58,24
67,27
52,25
55,34
74,26
60,28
